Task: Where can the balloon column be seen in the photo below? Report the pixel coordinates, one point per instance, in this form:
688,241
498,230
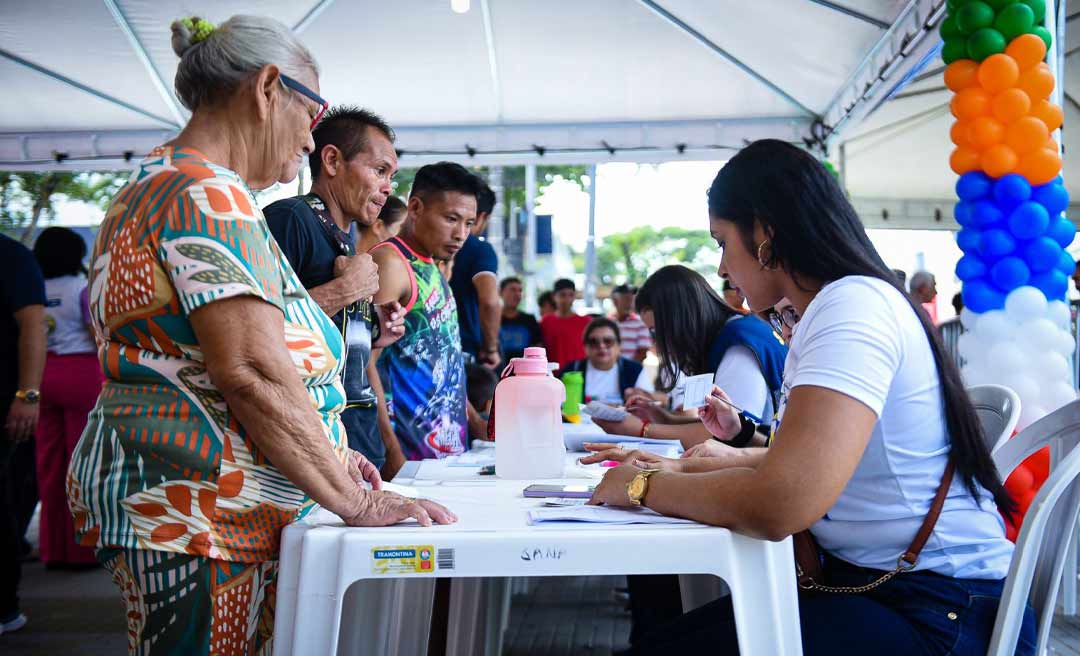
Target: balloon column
1015,269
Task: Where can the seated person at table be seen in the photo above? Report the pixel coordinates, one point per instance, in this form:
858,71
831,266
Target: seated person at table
696,332
874,419
607,373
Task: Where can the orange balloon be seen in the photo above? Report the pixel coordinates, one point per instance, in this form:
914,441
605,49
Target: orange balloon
1040,166
985,131
1027,50
961,74
959,133
1048,113
999,160
998,72
964,159
1026,134
1037,82
1008,105
971,102
1051,144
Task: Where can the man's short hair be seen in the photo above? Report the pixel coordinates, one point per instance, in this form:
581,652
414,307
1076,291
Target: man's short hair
901,275
345,126
624,289
485,198
601,322
546,298
479,385
393,210
443,177
564,283
506,282
920,279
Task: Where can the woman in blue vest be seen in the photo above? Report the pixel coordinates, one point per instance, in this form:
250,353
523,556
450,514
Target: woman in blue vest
696,332
608,375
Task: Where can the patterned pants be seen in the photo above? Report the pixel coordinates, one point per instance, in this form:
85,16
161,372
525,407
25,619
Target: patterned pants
181,604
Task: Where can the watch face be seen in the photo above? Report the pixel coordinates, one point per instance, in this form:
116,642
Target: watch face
32,396
637,486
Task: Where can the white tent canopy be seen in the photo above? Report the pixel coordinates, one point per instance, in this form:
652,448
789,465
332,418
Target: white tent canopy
509,81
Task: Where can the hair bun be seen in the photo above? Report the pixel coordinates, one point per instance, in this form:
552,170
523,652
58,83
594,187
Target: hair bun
189,32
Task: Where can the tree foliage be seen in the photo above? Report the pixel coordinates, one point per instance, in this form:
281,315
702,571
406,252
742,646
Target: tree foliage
28,197
631,256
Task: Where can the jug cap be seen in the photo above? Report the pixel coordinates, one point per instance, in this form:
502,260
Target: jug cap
534,362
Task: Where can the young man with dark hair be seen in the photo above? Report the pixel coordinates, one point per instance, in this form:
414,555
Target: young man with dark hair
351,168
426,368
546,302
562,330
635,334
473,282
518,329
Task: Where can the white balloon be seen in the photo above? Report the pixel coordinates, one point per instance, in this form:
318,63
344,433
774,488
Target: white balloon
971,348
1065,344
995,326
1058,394
968,319
1025,387
1051,367
1060,314
1005,360
974,374
1040,332
1025,303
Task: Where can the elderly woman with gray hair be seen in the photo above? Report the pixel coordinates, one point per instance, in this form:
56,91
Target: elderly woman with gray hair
218,422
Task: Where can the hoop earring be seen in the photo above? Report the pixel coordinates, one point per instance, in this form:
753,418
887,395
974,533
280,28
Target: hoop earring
759,249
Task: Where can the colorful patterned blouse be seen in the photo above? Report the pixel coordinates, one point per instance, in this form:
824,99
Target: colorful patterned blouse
162,463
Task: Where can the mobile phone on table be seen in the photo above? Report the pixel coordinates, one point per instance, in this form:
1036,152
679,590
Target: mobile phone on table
559,491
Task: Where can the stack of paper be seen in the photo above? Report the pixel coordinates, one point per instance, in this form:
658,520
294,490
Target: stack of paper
602,515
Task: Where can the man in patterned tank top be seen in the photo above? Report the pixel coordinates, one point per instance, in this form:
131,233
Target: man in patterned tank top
426,396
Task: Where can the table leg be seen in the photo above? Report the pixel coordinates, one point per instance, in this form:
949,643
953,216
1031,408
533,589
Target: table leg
765,600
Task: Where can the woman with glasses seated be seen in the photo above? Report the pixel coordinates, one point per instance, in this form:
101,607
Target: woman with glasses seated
608,375
878,466
218,422
696,332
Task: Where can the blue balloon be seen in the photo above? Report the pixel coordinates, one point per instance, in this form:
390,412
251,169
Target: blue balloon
980,296
973,185
962,213
1062,231
1052,196
1041,254
1010,273
995,244
968,240
1011,189
1028,221
985,214
1066,263
969,267
1053,284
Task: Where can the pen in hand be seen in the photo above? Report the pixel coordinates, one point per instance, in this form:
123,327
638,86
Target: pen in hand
751,417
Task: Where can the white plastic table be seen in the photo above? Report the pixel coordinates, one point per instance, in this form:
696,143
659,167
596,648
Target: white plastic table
321,559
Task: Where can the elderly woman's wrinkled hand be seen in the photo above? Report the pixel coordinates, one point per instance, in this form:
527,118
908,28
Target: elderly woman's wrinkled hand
362,470
381,508
359,274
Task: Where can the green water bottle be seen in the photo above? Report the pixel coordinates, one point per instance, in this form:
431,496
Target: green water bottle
575,392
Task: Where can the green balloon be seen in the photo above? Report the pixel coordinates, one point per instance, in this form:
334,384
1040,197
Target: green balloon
1043,34
998,5
974,16
949,30
954,49
1038,7
984,43
1015,20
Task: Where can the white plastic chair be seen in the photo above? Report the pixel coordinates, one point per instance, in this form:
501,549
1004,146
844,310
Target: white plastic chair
998,408
1049,527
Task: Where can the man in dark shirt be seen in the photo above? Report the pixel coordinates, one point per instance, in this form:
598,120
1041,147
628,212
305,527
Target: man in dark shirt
22,361
351,168
519,329
475,288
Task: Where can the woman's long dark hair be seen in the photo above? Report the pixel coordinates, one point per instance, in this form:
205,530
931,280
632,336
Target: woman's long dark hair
60,252
815,235
688,315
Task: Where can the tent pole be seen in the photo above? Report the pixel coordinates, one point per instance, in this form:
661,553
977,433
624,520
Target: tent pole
590,245
496,223
530,238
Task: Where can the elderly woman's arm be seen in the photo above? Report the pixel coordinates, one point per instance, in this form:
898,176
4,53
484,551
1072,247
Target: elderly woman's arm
243,342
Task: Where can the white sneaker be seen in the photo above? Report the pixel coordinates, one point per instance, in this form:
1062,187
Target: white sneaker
13,625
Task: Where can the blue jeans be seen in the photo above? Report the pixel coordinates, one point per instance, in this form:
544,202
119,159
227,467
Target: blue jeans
362,429
913,614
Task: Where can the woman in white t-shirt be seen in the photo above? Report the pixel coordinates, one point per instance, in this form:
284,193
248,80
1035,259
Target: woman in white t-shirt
608,375
69,390
872,411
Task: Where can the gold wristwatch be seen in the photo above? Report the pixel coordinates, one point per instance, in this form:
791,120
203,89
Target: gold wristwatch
30,396
638,486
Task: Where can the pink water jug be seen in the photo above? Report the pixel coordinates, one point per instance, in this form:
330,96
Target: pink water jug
528,420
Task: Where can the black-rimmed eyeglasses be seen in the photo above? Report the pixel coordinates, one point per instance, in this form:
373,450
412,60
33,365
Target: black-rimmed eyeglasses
290,83
785,317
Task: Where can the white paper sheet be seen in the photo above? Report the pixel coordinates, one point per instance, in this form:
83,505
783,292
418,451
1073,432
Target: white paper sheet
697,388
601,515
